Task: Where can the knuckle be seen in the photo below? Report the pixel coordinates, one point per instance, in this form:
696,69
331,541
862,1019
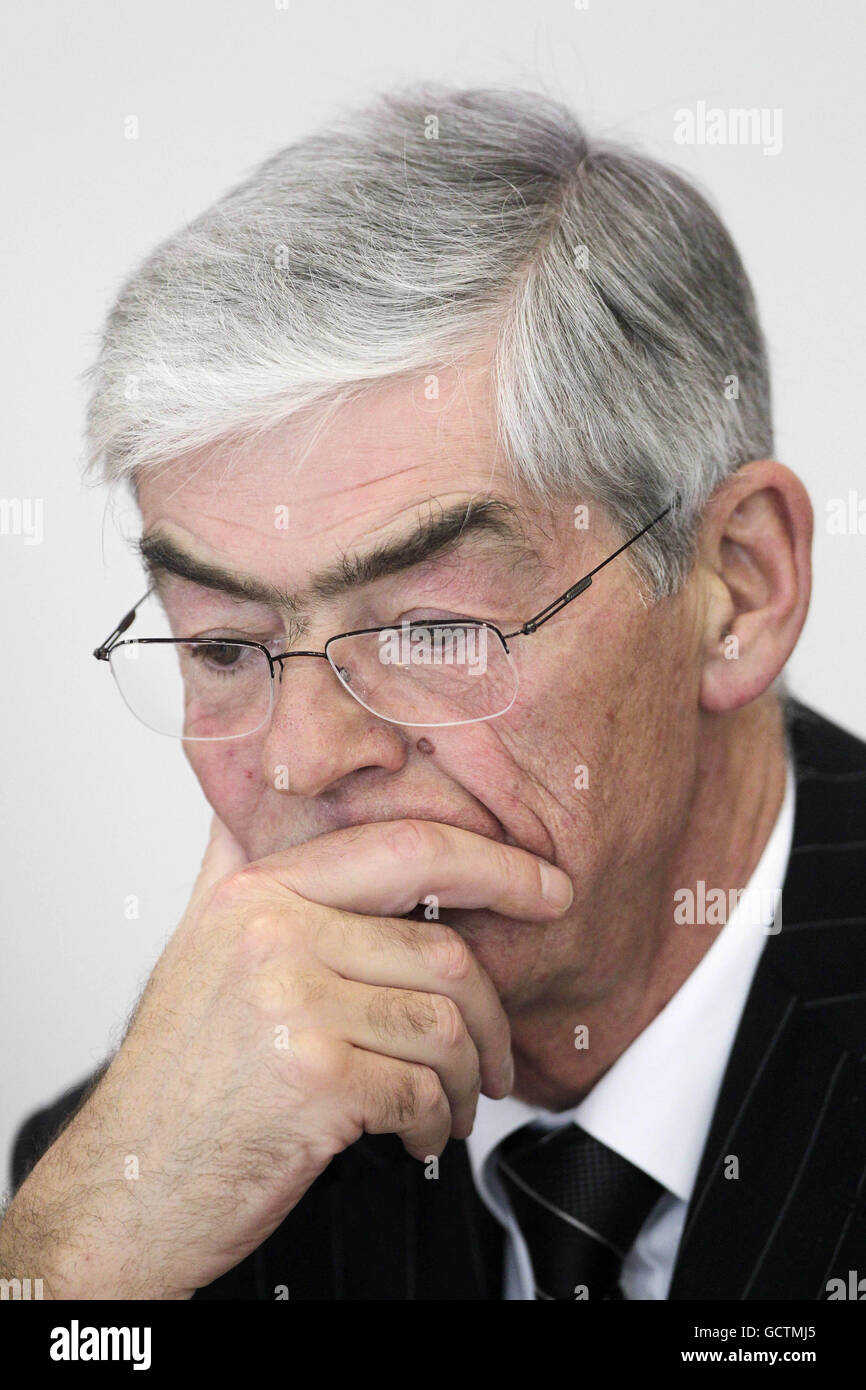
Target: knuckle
411,839
448,954
323,1060
428,1096
261,933
412,1100
449,1028
229,892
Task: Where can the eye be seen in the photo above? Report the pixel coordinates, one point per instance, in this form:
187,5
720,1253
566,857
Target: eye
220,654
216,660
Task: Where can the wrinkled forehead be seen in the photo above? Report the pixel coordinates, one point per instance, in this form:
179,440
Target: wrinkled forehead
340,476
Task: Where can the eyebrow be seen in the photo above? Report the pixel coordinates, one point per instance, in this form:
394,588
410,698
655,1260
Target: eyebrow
434,534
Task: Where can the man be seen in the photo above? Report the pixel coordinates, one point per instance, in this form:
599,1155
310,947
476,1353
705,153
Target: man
479,827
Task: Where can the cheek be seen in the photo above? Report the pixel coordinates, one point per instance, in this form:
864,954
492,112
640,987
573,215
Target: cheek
587,733
230,776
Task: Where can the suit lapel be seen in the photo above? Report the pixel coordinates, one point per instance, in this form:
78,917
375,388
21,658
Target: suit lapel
777,1194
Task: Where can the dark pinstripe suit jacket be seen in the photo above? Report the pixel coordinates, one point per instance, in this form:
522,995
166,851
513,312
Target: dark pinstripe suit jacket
792,1108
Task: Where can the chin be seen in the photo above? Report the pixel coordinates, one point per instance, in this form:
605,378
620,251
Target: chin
507,950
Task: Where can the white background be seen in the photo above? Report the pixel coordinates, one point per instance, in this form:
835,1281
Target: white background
94,808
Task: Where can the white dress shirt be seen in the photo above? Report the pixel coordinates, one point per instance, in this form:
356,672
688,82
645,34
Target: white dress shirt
655,1104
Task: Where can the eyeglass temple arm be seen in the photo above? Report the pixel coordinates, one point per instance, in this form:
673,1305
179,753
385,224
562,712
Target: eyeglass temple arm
582,584
103,650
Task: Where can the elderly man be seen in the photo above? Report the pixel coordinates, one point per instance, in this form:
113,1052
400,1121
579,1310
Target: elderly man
525,960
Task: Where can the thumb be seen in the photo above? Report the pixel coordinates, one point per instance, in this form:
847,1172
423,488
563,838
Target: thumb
223,855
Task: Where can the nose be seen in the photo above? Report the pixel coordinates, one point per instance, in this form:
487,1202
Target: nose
319,734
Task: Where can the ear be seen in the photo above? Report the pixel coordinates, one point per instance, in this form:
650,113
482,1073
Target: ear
754,566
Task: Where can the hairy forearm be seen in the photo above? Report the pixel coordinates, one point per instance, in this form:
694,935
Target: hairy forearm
32,1245
80,1240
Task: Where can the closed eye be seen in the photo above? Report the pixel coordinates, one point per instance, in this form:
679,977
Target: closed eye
420,615
225,635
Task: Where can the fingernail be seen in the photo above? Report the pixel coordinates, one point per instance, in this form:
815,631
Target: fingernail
556,887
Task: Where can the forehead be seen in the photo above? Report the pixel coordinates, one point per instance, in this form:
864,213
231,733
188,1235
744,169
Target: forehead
363,474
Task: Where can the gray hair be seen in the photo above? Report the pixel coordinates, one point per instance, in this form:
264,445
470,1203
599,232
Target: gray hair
628,365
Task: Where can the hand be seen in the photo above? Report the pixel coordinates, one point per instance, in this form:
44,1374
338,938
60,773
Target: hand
292,1010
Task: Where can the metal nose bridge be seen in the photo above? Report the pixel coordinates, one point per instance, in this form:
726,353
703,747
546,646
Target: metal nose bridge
285,656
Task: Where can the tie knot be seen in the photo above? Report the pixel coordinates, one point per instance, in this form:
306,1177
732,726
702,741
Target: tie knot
579,1206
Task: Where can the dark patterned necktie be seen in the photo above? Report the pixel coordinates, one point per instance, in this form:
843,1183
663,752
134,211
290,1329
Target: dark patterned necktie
579,1207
